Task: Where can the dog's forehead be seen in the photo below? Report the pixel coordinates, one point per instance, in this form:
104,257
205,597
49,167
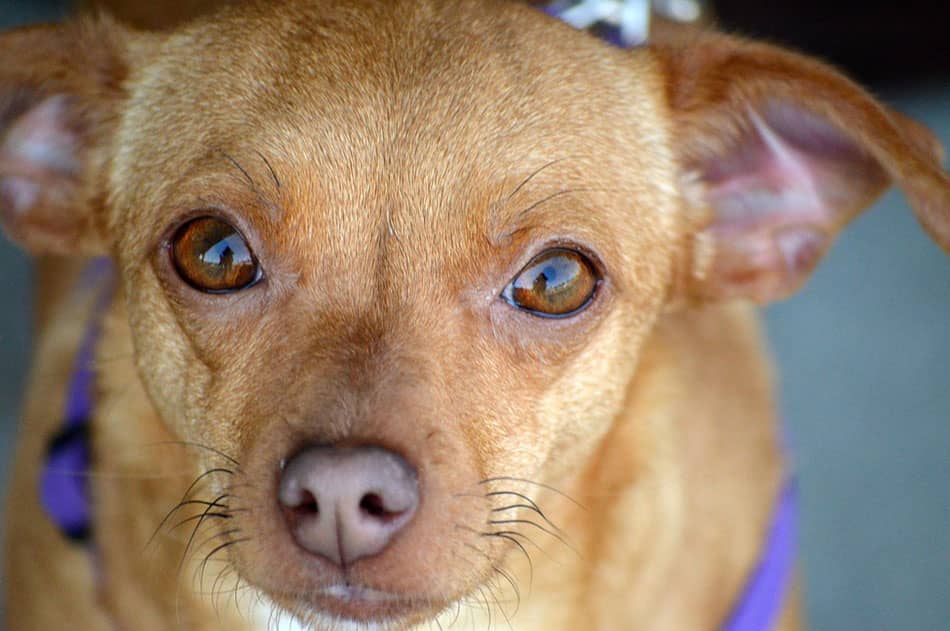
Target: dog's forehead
395,117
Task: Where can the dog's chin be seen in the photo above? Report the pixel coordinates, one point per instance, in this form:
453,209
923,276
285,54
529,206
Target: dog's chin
344,606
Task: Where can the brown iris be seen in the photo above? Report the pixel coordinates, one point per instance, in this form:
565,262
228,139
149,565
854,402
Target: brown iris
558,282
211,255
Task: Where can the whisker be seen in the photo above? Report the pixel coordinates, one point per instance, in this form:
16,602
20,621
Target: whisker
533,483
185,443
533,508
216,593
224,545
237,165
525,181
514,588
458,612
494,596
175,509
247,176
204,475
222,574
270,168
545,200
519,495
194,517
509,536
487,605
503,573
496,522
194,531
199,574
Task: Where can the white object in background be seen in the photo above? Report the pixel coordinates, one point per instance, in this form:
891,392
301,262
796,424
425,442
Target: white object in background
631,18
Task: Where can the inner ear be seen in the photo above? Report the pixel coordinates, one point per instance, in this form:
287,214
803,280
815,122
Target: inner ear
778,195
778,153
791,159
58,106
40,167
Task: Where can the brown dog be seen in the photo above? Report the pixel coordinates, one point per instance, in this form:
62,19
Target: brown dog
424,311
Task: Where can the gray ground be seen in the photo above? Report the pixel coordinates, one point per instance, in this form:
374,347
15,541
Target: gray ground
864,353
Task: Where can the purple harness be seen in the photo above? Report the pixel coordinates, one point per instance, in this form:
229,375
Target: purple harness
64,489
64,481
762,599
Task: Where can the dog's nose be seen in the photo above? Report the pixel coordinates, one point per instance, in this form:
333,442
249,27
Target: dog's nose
346,504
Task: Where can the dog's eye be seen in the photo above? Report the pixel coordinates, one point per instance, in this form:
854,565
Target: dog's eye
212,256
557,283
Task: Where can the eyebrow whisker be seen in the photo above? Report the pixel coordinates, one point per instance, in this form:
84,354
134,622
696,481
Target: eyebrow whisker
570,191
250,180
270,168
528,179
237,165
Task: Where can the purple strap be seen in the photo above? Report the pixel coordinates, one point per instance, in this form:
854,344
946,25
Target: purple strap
63,481
761,603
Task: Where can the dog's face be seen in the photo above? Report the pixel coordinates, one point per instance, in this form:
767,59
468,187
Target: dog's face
396,200
414,249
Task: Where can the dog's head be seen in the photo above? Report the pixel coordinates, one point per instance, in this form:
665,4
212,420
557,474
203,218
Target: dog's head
383,257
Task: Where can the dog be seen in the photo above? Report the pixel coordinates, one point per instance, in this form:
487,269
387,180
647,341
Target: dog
417,313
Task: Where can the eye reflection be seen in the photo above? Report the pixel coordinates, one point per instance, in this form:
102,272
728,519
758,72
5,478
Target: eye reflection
557,283
213,256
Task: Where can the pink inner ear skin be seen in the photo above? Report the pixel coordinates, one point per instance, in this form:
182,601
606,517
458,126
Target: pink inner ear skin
17,195
801,249
778,197
40,177
41,142
799,177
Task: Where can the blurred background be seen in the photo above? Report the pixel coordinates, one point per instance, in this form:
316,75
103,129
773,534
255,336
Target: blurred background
863,351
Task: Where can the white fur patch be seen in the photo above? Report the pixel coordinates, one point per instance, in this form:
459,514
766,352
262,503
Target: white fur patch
265,619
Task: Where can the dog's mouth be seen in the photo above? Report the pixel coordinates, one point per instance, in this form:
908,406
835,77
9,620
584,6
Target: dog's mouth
347,593
354,603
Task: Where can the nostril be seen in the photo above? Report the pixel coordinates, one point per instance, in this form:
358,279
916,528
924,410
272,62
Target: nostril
307,505
373,505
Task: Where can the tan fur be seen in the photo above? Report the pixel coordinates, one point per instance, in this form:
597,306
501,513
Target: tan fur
422,153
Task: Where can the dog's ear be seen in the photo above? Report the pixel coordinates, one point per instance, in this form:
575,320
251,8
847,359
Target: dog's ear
778,153
60,89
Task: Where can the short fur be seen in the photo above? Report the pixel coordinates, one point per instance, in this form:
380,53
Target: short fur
394,165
